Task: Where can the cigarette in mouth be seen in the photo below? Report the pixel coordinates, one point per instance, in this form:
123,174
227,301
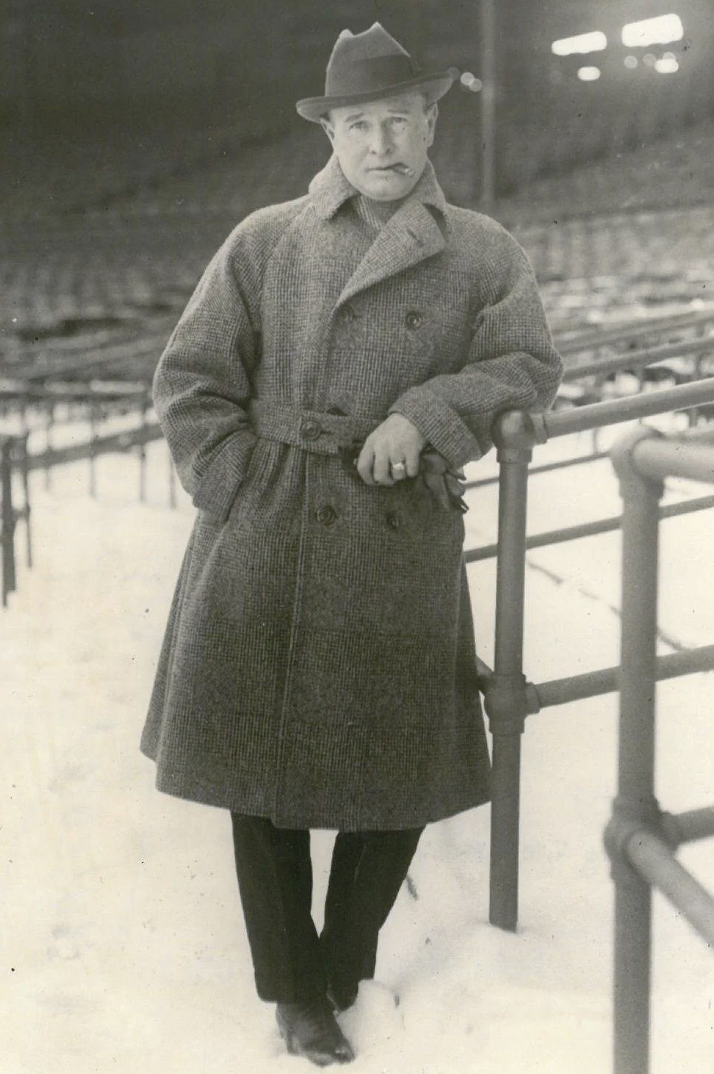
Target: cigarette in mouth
403,169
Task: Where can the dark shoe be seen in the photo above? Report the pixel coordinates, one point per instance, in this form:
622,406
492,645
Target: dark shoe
310,1029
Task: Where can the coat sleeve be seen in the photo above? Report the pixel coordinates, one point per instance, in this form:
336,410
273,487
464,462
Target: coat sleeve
202,386
511,364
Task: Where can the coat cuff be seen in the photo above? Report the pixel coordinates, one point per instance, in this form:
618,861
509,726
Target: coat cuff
218,488
442,426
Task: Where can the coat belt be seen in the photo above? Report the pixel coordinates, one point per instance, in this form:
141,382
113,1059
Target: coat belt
312,430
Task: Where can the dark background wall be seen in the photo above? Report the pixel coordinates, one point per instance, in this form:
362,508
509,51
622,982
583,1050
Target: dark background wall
193,68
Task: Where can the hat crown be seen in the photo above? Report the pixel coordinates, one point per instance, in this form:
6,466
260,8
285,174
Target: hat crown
368,67
366,62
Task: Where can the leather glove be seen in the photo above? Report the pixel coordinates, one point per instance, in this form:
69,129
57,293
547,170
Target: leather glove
444,484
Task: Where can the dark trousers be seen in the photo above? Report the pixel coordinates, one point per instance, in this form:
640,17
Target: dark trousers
291,962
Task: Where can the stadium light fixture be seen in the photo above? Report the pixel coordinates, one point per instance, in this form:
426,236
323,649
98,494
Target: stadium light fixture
667,65
581,44
470,82
588,74
658,31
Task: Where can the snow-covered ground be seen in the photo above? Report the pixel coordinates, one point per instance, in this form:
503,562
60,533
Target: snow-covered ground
122,941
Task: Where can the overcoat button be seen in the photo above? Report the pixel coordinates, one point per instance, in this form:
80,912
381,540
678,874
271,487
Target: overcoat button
310,429
414,319
393,521
349,313
326,515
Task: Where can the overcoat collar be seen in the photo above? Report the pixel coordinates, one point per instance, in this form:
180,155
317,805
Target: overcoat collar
411,235
330,189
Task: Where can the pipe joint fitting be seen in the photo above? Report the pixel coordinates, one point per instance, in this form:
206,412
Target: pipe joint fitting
508,700
628,821
515,432
631,479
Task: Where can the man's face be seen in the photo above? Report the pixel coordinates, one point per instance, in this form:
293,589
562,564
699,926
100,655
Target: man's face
382,146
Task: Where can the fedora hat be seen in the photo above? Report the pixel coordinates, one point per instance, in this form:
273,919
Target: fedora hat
367,67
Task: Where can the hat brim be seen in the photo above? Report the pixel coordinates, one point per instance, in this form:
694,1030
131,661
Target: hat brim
313,108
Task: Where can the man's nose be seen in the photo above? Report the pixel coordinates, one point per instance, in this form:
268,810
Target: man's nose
381,141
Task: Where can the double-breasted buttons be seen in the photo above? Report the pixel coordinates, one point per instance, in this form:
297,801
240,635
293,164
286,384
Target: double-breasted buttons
414,319
326,515
393,521
310,429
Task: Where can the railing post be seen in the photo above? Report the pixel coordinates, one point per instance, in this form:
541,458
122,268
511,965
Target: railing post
49,443
635,807
27,508
506,697
7,519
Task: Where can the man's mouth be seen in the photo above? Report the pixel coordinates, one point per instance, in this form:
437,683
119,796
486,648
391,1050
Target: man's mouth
401,169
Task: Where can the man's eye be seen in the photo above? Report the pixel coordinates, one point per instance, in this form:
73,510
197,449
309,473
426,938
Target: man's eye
360,125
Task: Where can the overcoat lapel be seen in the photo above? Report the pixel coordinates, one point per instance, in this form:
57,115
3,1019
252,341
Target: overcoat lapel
408,237
413,234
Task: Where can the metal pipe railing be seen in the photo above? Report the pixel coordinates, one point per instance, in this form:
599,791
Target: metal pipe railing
632,330
615,411
676,458
637,837
96,402
605,680
134,355
508,697
13,455
544,468
689,827
652,859
635,805
636,359
590,529
15,459
25,511
7,519
624,362
24,392
122,441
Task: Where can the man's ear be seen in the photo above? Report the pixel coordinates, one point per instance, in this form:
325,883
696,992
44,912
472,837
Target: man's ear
328,128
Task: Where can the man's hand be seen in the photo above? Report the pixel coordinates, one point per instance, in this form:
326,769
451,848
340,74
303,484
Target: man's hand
391,452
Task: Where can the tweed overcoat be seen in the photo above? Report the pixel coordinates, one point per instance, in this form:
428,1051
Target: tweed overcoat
318,666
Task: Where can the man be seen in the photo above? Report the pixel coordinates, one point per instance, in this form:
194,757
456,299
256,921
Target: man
342,357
